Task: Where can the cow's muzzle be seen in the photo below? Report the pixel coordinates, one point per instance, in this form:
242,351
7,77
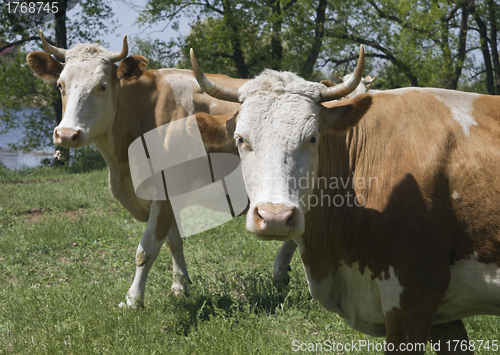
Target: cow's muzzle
67,137
275,222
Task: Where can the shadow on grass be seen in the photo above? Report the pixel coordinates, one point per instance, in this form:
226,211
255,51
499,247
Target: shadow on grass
254,295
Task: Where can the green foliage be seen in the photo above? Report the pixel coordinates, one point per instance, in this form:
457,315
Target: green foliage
21,89
93,19
160,54
211,40
86,159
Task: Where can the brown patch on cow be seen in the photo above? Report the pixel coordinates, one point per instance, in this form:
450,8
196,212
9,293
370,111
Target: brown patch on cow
449,332
407,327
44,65
132,68
141,258
164,221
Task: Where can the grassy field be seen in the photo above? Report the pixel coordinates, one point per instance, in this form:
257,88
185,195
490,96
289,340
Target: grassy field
67,260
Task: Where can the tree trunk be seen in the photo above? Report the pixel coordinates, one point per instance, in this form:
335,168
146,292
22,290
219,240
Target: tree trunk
462,44
494,48
317,42
483,35
276,45
237,55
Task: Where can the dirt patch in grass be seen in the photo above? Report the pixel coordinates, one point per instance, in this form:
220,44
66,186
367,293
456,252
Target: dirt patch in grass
34,216
37,181
38,214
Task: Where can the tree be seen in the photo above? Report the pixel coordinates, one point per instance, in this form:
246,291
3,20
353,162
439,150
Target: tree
486,19
423,42
240,38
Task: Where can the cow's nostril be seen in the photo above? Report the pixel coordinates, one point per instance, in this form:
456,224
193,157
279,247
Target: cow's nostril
76,136
290,221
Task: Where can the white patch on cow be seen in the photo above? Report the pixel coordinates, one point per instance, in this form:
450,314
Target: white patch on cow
351,294
183,92
390,290
460,106
455,195
459,103
474,289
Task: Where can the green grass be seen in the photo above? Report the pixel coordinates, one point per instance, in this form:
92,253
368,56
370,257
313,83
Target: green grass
67,260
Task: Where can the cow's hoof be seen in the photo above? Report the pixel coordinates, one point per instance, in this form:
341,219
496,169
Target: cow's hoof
179,292
281,283
132,302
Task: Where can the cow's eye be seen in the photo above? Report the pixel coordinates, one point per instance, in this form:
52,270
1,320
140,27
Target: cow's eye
240,140
313,139
102,87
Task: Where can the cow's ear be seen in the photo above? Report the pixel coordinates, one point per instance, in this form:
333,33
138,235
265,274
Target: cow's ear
44,65
216,131
132,68
340,116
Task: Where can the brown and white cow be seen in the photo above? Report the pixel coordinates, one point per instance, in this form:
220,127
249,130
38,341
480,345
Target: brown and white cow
401,189
110,106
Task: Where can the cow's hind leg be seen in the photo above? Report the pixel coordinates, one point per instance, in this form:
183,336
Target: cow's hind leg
282,264
450,338
181,278
160,220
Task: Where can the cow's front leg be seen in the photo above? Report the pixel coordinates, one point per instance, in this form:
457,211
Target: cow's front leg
282,264
160,220
450,338
407,332
409,310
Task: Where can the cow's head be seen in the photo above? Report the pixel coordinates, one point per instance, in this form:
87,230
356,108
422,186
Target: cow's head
278,134
88,83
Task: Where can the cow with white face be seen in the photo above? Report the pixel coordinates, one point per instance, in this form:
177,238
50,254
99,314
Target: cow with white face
392,199
111,106
283,157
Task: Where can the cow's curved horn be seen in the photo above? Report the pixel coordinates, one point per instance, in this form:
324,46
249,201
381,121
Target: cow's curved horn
215,90
117,56
369,79
344,89
49,48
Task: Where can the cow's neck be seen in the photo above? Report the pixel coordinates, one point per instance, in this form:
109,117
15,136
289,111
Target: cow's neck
336,227
134,116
